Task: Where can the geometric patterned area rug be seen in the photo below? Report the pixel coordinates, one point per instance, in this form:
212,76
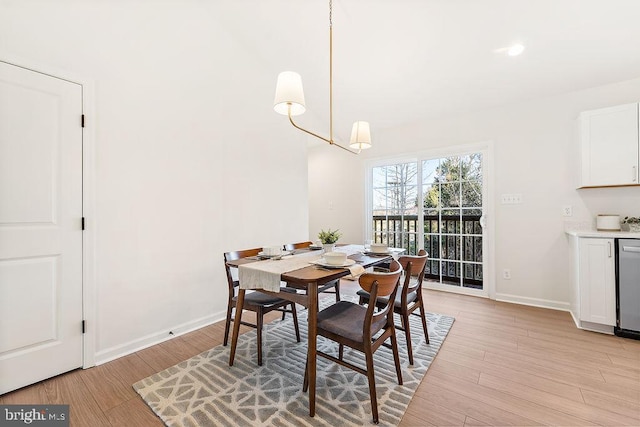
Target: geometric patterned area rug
205,391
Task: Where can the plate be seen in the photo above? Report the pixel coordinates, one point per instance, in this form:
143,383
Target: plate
321,262
263,255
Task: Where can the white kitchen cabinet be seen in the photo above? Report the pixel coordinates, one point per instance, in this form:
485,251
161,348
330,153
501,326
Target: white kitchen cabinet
610,146
596,281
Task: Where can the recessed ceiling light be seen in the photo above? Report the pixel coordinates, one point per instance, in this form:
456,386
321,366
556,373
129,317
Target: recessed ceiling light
515,50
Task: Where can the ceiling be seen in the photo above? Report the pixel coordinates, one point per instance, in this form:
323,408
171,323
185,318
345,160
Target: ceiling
402,61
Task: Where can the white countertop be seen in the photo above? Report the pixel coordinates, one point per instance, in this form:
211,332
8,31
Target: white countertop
604,234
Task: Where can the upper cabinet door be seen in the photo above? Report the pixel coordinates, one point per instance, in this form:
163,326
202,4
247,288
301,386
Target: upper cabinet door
609,145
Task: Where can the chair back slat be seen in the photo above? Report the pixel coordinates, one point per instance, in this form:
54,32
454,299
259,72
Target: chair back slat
246,253
386,281
380,285
294,246
418,266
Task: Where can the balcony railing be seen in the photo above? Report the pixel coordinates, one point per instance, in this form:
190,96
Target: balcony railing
454,244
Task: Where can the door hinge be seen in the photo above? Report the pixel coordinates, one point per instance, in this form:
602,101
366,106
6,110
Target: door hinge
82,120
83,223
83,327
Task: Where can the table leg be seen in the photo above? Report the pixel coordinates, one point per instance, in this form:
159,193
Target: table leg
311,345
236,325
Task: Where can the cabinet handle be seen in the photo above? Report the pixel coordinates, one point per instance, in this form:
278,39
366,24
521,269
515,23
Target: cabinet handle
609,244
635,173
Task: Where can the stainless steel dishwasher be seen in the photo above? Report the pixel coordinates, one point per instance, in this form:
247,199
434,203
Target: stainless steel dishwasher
628,288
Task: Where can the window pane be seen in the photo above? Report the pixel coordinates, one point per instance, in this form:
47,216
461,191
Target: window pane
450,194
472,212
451,247
402,174
433,269
431,194
473,276
379,177
450,221
379,199
432,245
410,222
471,167
400,197
472,194
411,244
472,248
431,224
430,173
449,169
378,224
451,273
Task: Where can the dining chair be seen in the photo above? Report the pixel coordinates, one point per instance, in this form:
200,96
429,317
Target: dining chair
409,296
363,328
258,302
335,285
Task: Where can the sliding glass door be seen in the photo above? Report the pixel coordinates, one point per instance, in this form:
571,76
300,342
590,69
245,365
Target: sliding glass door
435,203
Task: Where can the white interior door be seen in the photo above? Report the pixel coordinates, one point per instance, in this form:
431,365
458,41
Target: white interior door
40,226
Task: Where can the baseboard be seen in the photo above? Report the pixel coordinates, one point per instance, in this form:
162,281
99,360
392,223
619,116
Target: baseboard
534,302
158,337
575,319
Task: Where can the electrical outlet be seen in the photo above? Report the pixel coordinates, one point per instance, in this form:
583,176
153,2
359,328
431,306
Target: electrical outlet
506,274
567,211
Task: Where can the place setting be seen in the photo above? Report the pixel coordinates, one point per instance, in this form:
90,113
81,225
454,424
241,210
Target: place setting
378,249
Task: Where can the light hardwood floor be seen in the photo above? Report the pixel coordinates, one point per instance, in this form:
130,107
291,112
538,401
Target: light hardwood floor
501,364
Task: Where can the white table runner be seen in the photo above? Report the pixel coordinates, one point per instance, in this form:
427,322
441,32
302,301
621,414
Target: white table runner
266,274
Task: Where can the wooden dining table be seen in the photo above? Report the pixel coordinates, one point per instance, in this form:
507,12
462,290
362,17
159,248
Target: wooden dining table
310,278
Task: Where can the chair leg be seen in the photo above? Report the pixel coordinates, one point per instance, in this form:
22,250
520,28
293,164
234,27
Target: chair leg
396,355
260,319
372,386
295,320
227,324
305,383
424,323
407,334
361,301
340,351
338,291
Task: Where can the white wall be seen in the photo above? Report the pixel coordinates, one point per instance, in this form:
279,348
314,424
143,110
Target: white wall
535,154
190,159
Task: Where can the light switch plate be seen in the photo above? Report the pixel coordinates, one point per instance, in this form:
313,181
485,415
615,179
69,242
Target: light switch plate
511,199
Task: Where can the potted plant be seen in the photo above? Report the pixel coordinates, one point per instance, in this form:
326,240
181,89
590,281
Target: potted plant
329,239
633,223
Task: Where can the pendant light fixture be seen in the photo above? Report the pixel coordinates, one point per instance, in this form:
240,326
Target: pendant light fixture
289,101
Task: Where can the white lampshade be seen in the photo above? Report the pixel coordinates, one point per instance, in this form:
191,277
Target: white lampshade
289,91
360,136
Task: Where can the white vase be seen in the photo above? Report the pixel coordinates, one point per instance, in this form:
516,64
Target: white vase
329,247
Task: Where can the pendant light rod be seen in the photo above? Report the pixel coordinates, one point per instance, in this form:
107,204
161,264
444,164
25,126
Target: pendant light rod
289,100
331,71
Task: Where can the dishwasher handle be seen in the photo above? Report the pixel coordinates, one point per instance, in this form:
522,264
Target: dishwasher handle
635,249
